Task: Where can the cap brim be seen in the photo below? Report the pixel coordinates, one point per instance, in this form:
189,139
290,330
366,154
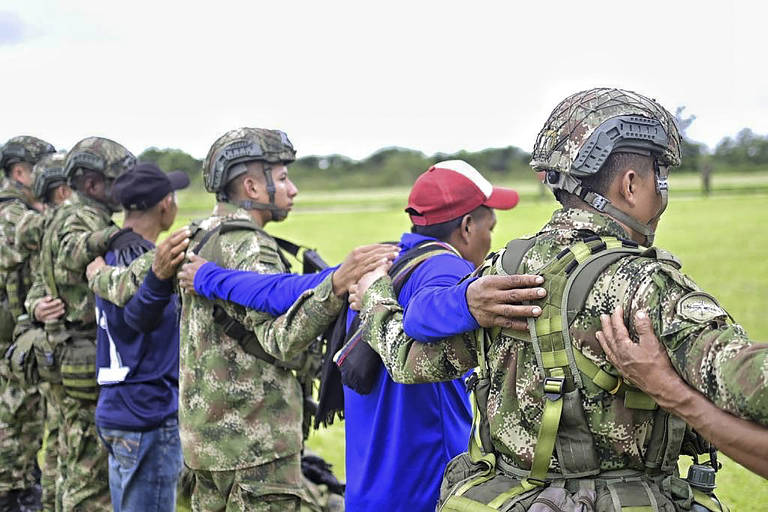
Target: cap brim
178,179
502,199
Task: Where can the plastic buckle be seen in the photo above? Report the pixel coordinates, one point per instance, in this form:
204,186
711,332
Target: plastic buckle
553,387
536,481
471,382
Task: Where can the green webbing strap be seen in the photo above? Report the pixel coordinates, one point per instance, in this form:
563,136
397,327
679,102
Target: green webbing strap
633,398
706,501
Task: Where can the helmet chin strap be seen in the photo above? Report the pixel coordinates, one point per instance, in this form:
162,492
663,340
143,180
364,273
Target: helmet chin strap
603,205
278,214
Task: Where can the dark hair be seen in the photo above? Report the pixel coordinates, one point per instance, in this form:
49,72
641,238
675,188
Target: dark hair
443,230
600,182
52,188
232,188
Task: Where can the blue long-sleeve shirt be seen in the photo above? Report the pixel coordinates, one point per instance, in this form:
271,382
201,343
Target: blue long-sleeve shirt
137,352
399,437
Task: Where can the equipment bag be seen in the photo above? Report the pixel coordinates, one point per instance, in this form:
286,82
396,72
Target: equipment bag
489,485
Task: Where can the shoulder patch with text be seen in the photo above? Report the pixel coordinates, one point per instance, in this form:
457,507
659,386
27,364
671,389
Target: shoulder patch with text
700,307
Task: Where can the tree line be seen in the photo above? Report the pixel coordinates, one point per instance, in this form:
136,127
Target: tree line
395,166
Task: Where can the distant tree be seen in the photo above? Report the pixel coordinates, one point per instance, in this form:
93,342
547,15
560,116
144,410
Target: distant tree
170,159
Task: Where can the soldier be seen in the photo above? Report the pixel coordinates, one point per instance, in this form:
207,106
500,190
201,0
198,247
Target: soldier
556,425
20,408
50,187
80,230
240,405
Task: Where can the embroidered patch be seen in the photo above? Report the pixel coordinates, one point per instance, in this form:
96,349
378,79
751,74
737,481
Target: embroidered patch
699,307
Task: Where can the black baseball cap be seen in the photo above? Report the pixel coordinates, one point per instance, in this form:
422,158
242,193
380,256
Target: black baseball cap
145,185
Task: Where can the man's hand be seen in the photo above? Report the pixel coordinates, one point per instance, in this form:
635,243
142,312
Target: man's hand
495,301
48,309
357,290
186,275
361,261
94,267
170,253
645,364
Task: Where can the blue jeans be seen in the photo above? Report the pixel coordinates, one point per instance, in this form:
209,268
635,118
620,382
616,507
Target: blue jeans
144,467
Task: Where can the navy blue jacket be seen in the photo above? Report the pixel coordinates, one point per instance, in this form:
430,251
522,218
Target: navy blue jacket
137,355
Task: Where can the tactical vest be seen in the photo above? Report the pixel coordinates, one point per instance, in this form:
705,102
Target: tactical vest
482,481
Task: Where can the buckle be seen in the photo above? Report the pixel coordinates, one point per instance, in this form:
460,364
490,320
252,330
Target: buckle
471,382
536,481
553,387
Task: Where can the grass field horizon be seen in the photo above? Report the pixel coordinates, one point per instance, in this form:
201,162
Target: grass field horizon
722,241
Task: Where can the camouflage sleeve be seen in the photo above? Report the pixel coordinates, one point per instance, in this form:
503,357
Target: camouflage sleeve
407,360
289,334
119,284
29,232
82,242
713,355
10,256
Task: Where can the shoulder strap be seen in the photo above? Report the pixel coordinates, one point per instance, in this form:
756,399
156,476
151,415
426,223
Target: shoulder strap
515,252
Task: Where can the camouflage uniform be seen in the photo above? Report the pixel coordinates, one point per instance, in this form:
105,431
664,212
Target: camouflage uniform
712,354
240,418
29,237
20,405
79,230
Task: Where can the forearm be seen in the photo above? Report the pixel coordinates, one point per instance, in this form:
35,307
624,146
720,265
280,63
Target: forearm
35,295
119,284
271,293
146,308
438,312
743,441
288,335
78,248
407,360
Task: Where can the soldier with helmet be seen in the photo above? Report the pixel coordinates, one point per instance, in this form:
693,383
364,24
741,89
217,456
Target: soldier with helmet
79,230
240,404
20,408
51,189
556,425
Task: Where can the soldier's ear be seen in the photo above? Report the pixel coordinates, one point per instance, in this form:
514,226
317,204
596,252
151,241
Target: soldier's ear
628,186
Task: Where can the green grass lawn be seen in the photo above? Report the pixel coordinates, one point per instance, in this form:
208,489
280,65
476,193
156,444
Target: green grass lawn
722,241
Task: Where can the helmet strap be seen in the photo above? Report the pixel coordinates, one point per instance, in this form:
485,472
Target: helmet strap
604,205
278,214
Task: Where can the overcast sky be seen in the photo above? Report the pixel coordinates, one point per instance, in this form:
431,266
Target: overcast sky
353,77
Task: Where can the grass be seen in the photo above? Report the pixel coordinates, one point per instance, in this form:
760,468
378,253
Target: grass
722,241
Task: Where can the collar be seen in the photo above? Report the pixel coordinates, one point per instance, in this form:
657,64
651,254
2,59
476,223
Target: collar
411,240
10,191
576,219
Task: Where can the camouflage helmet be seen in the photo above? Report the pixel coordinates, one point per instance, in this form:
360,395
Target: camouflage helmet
49,171
587,126
24,149
238,147
98,154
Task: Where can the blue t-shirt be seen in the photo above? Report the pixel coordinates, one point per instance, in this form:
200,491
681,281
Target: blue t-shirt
137,354
400,436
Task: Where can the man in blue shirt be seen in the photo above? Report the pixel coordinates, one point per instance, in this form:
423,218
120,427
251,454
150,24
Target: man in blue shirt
138,353
399,437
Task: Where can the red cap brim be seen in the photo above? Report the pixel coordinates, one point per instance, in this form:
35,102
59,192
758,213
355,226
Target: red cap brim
502,199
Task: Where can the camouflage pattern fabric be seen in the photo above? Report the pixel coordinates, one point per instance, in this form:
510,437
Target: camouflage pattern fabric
711,354
271,487
77,232
235,410
20,407
576,118
80,231
29,237
98,154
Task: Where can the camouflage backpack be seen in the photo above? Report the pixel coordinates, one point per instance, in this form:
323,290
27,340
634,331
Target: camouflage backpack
480,481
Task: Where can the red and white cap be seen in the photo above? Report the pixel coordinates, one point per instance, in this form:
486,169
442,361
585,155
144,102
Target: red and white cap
451,189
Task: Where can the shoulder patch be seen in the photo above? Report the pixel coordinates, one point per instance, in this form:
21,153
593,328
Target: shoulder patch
700,307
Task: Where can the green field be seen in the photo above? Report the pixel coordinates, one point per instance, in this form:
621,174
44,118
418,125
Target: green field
722,241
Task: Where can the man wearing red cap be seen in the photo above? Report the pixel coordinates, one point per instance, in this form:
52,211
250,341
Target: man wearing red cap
399,437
